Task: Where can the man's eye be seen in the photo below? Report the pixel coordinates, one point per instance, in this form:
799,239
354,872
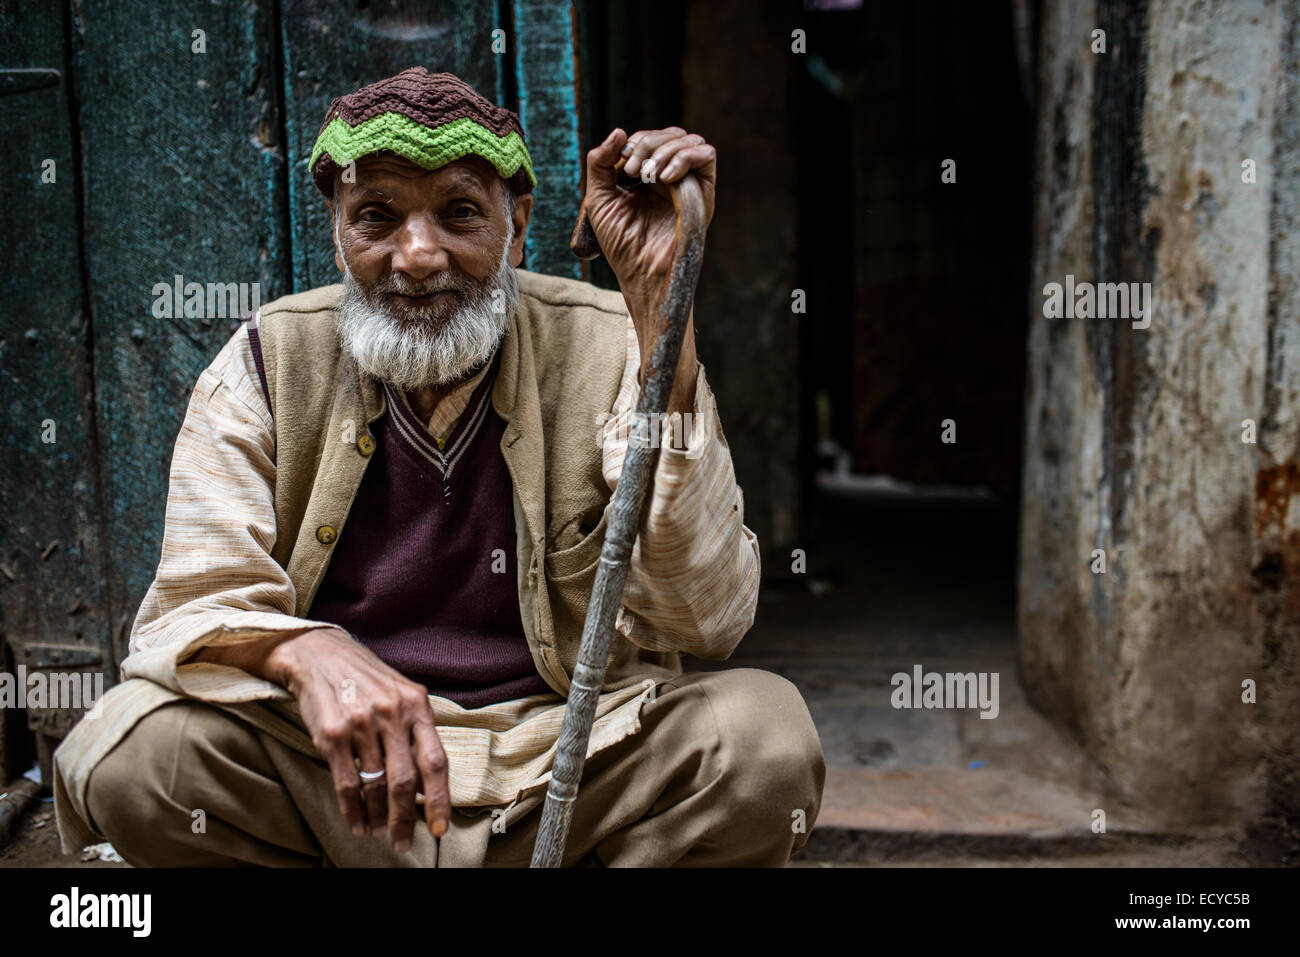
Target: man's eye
371,216
464,212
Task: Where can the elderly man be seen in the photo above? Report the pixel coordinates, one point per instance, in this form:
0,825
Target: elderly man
386,506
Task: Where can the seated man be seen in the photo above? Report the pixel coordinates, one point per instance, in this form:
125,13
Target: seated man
386,506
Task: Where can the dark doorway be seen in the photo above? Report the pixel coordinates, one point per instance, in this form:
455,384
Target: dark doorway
916,284
915,144
914,294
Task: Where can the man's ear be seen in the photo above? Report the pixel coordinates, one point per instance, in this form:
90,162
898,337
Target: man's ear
523,213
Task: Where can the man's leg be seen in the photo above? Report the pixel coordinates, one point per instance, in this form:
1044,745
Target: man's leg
727,770
261,802
193,786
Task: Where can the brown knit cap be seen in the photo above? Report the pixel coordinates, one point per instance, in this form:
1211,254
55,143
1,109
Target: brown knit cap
430,118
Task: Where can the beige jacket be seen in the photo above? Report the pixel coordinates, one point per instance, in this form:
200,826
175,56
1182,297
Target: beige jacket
255,493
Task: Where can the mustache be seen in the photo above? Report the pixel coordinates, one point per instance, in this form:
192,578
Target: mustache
403,285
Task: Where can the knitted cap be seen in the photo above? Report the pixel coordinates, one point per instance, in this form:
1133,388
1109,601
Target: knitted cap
432,119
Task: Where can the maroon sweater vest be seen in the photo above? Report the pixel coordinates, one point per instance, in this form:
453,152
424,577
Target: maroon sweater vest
424,573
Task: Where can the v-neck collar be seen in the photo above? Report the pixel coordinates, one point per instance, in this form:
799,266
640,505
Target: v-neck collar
462,435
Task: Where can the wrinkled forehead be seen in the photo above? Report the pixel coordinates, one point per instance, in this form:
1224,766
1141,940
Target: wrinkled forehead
389,173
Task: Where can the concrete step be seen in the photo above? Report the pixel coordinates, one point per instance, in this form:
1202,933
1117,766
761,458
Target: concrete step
872,816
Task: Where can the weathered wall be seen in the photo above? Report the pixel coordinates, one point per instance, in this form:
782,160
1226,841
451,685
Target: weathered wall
182,174
1277,523
1134,437
51,550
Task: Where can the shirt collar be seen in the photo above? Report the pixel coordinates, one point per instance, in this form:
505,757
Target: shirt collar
442,421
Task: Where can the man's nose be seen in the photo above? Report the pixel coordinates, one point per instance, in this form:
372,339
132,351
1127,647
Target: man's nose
419,253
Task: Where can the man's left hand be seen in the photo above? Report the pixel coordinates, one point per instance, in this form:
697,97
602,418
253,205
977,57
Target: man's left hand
636,228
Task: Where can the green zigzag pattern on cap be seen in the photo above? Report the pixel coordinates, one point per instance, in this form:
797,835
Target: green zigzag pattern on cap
422,145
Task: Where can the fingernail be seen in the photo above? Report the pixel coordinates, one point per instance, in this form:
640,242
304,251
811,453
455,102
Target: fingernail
378,831
401,847
439,827
358,830
628,147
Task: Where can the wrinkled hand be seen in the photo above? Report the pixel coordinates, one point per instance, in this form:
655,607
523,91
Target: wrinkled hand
356,707
636,227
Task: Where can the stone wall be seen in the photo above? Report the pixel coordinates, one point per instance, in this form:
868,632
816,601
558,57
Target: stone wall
1134,436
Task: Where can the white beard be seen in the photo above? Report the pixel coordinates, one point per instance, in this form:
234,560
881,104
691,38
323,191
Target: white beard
417,355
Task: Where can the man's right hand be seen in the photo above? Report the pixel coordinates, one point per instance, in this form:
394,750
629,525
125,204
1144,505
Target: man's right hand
357,707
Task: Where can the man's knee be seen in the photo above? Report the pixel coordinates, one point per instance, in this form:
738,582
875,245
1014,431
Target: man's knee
138,795
772,765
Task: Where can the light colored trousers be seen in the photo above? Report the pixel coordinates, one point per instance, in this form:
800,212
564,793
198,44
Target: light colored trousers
727,770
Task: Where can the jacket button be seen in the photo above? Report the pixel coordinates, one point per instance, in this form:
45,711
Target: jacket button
365,445
326,534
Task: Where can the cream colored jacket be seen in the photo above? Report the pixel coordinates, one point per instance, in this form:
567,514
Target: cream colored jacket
253,489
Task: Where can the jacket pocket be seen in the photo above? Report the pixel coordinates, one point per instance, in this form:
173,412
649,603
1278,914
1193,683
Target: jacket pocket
574,561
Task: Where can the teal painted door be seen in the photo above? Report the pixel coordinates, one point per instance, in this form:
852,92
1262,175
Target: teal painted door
52,560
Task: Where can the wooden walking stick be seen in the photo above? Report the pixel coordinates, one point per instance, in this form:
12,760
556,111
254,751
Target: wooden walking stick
625,513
